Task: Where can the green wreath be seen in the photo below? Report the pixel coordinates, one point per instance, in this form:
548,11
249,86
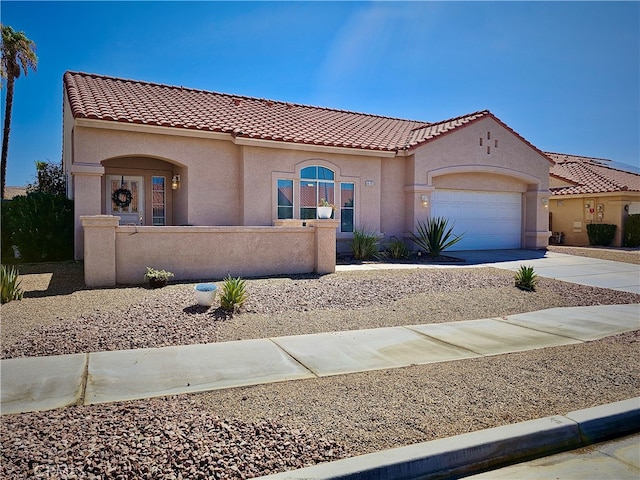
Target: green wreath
122,197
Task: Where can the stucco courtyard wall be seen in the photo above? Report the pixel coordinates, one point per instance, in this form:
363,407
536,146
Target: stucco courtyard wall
116,254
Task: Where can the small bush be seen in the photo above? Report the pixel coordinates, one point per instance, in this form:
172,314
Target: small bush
434,236
9,284
632,231
364,245
233,295
397,250
526,278
40,225
600,233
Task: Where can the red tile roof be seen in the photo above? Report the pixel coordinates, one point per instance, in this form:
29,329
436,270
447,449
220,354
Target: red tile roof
590,175
128,101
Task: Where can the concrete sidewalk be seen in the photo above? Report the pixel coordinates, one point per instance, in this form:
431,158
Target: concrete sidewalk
43,383
569,268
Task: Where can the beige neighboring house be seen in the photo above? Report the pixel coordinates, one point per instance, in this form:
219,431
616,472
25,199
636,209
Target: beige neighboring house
190,157
11,192
588,190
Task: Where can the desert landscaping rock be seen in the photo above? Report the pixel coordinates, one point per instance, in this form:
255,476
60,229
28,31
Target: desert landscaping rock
253,431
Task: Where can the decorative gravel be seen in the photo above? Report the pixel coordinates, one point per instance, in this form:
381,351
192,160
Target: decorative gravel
282,306
253,431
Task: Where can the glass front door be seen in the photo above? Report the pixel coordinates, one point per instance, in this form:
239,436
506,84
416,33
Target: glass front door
126,198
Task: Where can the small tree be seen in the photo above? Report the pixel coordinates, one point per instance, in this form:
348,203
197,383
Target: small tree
49,179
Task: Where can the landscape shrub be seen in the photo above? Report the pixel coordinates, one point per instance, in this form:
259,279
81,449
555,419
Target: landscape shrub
434,236
632,231
365,245
600,233
526,278
396,249
40,225
9,284
233,295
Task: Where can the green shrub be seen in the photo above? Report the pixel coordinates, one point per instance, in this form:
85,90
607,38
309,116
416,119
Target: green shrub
600,233
526,278
233,295
632,231
9,284
365,245
434,236
40,225
396,249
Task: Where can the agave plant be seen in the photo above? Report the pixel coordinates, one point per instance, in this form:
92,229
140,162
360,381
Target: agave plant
526,278
233,294
434,236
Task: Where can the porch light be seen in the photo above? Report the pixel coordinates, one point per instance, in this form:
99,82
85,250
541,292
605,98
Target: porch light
545,202
175,182
424,199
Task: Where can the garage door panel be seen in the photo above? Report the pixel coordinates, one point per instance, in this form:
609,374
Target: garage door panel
487,220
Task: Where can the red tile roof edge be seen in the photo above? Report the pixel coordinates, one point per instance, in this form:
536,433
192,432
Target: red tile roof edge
233,97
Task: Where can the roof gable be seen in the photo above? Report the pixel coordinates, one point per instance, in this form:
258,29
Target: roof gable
590,175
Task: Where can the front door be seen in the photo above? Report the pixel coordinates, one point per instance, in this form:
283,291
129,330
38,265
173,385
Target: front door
125,198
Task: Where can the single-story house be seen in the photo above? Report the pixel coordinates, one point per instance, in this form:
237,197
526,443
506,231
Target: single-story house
588,190
162,155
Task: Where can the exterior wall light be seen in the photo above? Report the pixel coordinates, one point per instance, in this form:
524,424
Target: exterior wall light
175,182
545,202
424,199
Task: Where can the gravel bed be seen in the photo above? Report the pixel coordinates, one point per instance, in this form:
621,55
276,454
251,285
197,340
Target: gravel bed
279,307
252,431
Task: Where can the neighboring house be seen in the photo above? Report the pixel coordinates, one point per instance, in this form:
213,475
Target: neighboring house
11,192
588,190
194,157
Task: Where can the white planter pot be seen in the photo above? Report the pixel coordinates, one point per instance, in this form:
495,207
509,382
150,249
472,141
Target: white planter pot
205,293
325,212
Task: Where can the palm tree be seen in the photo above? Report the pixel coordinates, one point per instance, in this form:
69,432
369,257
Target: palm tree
18,56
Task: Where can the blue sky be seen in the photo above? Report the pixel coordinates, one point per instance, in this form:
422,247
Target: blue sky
564,75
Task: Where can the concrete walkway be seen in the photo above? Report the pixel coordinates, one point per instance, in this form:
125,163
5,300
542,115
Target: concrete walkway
569,268
43,383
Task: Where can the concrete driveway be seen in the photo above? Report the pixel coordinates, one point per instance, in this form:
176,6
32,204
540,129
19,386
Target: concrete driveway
569,268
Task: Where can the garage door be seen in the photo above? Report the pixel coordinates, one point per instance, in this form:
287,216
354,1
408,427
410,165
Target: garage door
489,220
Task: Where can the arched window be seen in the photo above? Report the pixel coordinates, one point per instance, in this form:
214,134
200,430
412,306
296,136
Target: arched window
317,184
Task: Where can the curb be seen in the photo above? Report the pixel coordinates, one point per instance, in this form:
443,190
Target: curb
474,452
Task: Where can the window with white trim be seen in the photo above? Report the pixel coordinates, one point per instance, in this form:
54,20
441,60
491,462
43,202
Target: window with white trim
285,198
347,206
159,201
316,184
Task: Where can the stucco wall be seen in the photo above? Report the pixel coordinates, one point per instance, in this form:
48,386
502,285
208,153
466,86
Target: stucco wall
570,215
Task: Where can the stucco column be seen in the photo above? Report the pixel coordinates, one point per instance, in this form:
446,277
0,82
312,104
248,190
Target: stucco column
536,233
99,250
325,258
87,198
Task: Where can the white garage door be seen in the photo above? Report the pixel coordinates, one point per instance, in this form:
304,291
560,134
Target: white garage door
488,220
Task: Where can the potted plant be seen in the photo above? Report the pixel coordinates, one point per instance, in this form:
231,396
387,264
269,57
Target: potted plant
157,278
325,209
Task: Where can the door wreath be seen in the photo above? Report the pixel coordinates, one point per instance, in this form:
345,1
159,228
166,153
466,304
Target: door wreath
122,197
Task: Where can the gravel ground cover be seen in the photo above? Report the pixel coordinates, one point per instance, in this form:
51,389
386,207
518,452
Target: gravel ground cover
247,432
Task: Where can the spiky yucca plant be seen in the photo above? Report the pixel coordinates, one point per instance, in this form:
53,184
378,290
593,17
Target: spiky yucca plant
9,284
434,236
364,245
526,278
234,294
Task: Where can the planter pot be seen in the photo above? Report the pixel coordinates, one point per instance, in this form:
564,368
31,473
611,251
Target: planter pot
205,293
325,212
157,282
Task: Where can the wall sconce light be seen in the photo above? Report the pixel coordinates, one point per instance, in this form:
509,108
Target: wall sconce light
545,202
424,199
175,182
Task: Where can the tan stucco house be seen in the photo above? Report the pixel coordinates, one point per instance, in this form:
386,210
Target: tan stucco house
176,156
588,190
